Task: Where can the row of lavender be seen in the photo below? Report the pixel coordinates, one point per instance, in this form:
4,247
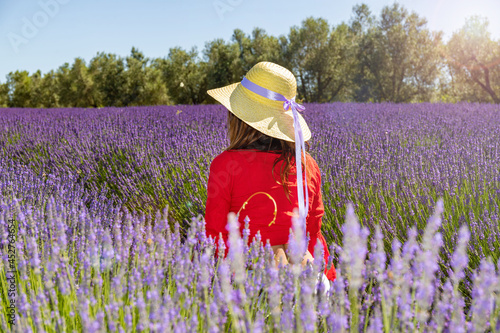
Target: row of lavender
104,269
391,161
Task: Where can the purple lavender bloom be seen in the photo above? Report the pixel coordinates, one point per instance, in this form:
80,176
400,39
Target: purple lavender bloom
297,244
486,284
460,259
77,189
354,251
236,249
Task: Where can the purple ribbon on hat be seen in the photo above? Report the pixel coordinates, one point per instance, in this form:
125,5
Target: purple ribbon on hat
299,139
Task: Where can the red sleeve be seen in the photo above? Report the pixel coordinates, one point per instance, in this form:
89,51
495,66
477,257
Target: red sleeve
218,199
314,217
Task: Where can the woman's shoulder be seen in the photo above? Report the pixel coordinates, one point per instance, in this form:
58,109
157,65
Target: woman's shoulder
241,156
231,159
311,161
220,160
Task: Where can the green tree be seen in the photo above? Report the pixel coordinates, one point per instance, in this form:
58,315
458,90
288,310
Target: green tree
322,58
364,28
473,59
48,93
144,85
155,91
75,85
257,47
44,92
398,56
135,77
222,63
80,90
184,76
20,86
63,83
108,73
4,95
36,90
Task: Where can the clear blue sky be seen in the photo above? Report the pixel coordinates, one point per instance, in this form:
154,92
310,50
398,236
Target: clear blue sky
78,28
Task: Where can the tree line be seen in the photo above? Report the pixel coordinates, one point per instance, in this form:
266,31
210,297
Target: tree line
391,57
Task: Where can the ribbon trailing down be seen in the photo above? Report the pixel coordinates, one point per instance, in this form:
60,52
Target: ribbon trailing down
300,149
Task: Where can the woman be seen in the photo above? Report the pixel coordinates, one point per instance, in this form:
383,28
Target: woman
256,175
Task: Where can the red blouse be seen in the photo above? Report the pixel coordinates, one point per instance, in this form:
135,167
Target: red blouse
239,176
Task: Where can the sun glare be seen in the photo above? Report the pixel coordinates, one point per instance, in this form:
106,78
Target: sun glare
448,14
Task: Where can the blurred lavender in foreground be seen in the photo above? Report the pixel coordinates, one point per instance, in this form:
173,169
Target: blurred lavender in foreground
83,273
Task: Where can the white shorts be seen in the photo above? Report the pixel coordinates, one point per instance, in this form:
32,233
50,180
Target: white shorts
326,283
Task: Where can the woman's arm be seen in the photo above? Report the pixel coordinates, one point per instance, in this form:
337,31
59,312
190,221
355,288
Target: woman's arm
307,256
280,255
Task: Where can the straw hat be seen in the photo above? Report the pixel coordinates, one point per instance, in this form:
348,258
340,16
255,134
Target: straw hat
265,115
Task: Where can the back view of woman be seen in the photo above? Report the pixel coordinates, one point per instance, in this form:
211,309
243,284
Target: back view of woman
256,176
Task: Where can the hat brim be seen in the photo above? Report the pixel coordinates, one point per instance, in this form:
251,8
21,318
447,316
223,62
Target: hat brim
263,114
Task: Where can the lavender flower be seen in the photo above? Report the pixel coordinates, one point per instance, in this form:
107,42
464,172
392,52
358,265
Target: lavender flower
108,206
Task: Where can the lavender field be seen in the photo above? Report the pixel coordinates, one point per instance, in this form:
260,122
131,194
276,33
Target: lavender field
101,223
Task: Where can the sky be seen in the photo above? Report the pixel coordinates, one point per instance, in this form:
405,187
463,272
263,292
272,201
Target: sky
44,34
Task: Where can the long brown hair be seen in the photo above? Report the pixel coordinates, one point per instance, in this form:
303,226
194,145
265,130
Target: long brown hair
243,136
